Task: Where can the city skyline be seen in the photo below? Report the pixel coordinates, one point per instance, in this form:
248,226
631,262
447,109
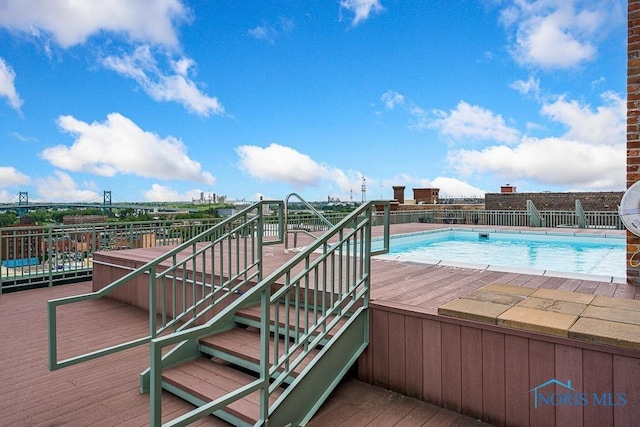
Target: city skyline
164,100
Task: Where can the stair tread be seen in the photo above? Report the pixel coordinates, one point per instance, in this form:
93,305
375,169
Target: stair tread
245,344
254,313
209,380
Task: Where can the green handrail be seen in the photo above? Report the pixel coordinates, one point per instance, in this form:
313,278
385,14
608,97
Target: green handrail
535,220
314,211
580,215
332,286
216,247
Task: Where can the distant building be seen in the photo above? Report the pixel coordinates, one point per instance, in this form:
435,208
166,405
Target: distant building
427,196
20,244
213,198
83,219
507,189
135,241
551,201
227,211
422,196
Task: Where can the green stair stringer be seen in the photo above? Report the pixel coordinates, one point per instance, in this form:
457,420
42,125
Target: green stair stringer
308,392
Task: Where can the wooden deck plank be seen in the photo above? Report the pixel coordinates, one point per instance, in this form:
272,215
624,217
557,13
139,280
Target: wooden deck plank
624,384
432,361
493,377
569,367
413,366
472,374
451,382
419,416
397,361
246,344
516,375
541,370
600,368
380,339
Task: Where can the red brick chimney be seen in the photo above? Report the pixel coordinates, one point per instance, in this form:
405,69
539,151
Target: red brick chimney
398,193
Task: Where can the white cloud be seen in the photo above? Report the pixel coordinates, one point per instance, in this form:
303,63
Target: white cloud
606,123
176,86
449,186
10,176
350,181
6,196
72,22
277,163
465,123
61,187
453,187
559,33
18,136
551,161
119,146
7,85
589,156
530,87
361,9
161,193
143,22
391,99
472,122
270,33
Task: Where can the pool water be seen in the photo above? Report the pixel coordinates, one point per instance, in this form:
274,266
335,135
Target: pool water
584,254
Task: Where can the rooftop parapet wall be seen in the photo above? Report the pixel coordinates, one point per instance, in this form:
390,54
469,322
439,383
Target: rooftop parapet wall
591,201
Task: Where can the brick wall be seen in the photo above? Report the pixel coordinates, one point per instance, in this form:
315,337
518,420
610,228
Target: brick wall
633,130
597,201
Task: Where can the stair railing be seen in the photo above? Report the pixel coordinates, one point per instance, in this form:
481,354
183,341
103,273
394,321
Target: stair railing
186,283
535,219
290,229
580,215
321,293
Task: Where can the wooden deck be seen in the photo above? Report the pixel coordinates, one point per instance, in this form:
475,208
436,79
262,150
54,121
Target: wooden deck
105,392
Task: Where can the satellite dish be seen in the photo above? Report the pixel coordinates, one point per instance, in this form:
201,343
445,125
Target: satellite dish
629,209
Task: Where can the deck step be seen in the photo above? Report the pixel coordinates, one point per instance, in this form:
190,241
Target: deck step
207,379
242,347
231,359
252,315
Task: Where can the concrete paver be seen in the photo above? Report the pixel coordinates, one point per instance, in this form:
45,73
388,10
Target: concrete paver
479,311
613,314
557,306
546,322
627,304
563,295
606,332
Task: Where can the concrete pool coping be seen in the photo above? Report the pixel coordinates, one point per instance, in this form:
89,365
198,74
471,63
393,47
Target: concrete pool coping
503,268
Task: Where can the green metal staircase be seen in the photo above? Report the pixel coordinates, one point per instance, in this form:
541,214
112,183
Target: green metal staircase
253,350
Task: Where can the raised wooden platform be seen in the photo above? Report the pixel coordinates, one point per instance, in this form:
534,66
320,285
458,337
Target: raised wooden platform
481,370
104,392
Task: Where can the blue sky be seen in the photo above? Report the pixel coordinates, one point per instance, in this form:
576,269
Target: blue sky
160,100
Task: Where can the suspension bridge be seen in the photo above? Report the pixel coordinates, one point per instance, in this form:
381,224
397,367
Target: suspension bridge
21,203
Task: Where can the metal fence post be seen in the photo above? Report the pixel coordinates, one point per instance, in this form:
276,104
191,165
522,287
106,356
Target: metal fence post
48,246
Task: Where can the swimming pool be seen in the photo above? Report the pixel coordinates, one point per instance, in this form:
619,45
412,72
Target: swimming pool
556,254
